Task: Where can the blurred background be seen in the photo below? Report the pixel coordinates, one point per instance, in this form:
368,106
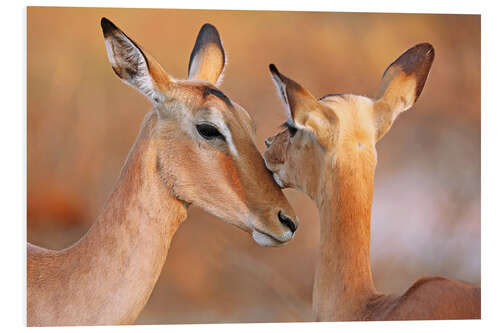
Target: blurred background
82,121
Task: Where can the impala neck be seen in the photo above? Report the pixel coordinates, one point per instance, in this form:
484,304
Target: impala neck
124,251
343,281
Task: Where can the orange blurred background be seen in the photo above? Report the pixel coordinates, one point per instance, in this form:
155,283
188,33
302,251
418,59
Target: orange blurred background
82,121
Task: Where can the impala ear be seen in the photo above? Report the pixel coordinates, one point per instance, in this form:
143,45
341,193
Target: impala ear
207,60
132,65
303,109
401,85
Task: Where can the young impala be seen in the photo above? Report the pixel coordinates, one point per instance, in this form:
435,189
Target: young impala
328,152
195,147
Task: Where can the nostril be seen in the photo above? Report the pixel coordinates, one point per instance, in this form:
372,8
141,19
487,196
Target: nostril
286,221
268,142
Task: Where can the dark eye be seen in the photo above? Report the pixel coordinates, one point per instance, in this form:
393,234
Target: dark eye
292,129
209,132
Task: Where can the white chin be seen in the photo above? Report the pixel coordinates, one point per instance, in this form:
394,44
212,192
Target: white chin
278,180
263,239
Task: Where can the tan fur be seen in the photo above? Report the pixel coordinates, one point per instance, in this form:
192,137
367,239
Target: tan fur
107,276
337,172
208,73
207,61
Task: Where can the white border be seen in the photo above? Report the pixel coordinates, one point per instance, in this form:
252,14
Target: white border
13,162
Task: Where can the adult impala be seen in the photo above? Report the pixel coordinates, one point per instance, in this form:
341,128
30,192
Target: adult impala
328,152
195,147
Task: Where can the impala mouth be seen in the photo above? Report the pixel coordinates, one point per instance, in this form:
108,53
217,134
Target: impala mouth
278,180
265,239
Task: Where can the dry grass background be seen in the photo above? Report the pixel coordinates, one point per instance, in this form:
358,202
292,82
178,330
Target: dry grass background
426,214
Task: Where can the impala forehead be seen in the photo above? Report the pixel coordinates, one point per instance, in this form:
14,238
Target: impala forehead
196,93
347,103
207,91
353,112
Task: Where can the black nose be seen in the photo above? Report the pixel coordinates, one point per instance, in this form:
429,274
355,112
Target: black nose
268,142
286,221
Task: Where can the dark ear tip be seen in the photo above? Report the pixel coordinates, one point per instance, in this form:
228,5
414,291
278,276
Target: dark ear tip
107,26
273,69
276,73
424,51
209,30
208,26
427,46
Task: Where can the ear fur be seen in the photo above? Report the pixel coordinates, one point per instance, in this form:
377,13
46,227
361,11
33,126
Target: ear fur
401,85
303,109
207,60
132,65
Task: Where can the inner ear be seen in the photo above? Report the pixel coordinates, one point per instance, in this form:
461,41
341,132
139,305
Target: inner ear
304,111
401,85
298,100
133,65
207,60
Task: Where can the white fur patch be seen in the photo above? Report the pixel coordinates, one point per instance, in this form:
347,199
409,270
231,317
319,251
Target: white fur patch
263,239
224,66
281,87
278,180
217,119
229,140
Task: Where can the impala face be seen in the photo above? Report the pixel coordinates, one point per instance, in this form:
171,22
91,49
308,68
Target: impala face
340,131
206,151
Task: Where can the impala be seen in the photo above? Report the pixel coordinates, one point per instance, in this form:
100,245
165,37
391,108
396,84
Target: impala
328,151
195,147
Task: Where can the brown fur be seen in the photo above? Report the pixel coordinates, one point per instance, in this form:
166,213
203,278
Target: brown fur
107,277
335,166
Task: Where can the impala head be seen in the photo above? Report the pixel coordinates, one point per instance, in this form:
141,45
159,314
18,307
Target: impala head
340,131
206,153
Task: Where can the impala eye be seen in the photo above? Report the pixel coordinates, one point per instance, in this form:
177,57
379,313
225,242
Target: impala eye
292,129
209,132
